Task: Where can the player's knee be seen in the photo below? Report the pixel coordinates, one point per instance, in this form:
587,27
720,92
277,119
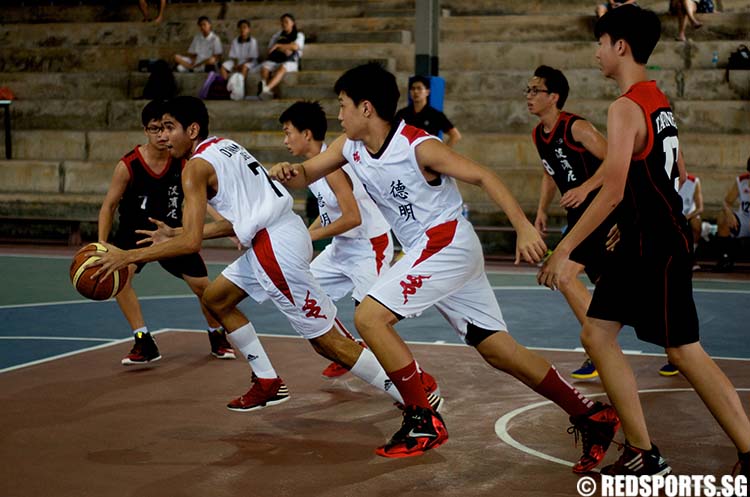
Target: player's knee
215,302
371,314
590,338
476,335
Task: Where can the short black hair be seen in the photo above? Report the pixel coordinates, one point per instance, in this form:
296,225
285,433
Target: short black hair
420,79
152,111
243,21
290,16
556,83
640,28
188,110
374,83
203,18
307,115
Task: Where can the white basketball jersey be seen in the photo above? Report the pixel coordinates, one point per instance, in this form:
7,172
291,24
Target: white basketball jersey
246,197
373,222
687,192
396,184
743,188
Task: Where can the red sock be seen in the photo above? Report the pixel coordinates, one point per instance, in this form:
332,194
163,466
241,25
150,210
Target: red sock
563,394
409,384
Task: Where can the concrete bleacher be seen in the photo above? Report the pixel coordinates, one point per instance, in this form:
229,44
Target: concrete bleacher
74,71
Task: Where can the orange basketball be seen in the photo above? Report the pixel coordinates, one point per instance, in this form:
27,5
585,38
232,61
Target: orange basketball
100,288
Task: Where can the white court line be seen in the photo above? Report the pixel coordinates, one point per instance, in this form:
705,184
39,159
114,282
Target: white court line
112,342
190,295
501,425
74,339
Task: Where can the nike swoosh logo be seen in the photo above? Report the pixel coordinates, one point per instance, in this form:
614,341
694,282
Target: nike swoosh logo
409,377
413,433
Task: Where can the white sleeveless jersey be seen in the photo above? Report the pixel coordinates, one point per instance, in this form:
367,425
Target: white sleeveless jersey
373,222
687,192
743,188
247,197
396,184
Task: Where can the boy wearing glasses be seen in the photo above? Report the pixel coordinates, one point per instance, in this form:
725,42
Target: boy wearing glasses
146,185
571,150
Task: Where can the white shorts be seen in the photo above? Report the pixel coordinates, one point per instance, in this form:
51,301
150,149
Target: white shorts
352,265
277,266
289,65
445,269
743,222
251,66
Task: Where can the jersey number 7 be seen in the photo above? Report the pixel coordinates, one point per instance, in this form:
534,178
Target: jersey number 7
256,168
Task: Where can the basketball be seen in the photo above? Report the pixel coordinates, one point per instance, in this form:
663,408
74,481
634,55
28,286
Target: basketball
98,289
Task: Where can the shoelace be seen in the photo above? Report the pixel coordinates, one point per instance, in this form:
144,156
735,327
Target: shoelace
582,433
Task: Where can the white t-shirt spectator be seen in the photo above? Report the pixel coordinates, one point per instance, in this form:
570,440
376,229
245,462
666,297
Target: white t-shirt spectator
244,52
300,41
205,47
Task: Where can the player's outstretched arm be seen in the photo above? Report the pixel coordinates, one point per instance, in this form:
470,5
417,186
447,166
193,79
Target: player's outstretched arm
546,194
195,178
301,175
436,157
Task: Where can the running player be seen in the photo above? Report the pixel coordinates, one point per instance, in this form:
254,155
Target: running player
648,283
361,248
733,224
276,265
410,176
146,186
571,150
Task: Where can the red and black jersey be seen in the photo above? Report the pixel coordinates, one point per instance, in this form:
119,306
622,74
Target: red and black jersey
650,215
565,159
148,194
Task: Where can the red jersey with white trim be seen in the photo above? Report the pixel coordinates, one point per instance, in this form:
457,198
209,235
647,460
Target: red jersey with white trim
650,215
373,223
394,180
246,196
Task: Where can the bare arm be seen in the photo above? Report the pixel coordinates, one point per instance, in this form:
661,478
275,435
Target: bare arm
350,218
624,121
454,136
730,198
585,133
301,175
434,156
681,169
117,187
546,194
698,198
195,177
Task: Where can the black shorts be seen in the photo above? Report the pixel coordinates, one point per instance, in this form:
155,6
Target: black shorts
654,295
592,253
184,265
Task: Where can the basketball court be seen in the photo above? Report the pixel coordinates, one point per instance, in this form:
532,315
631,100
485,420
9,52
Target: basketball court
75,422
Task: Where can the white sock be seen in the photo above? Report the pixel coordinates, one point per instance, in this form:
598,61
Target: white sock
143,330
246,341
369,369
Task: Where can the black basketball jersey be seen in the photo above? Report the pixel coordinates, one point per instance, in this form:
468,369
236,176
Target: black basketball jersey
650,215
150,195
566,160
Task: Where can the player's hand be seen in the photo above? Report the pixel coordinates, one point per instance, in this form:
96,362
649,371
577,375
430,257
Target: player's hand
109,261
540,223
162,233
283,172
556,270
237,243
613,238
529,244
573,197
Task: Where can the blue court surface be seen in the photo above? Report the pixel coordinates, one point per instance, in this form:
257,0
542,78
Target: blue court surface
44,317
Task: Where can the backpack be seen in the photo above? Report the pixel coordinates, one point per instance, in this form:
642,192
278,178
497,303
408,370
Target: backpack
214,88
739,59
236,86
161,84
706,6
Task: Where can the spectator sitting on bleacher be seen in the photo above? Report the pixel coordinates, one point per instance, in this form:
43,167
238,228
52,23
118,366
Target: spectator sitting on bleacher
692,206
733,224
144,10
609,5
204,52
685,10
284,52
243,54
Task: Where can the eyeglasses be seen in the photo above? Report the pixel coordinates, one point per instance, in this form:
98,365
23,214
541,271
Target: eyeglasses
154,130
534,91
